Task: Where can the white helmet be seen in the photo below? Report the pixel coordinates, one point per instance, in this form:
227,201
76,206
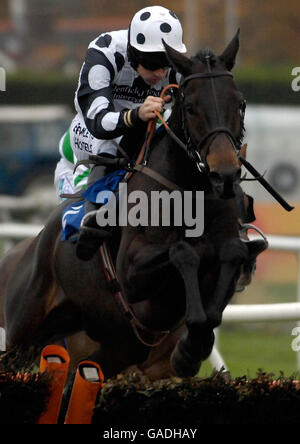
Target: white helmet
152,24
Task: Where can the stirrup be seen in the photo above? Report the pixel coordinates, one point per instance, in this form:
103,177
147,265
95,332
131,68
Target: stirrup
87,216
99,232
245,227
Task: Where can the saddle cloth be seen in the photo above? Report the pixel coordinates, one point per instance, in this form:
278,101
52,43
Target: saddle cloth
73,213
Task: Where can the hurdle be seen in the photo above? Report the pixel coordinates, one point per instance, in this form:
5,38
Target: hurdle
55,361
88,381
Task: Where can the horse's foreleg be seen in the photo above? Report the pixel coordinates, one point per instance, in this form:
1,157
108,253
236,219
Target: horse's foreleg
232,255
186,260
196,343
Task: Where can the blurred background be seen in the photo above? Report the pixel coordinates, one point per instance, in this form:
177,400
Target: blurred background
42,47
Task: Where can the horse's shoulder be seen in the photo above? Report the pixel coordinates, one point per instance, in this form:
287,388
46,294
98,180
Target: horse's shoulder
44,244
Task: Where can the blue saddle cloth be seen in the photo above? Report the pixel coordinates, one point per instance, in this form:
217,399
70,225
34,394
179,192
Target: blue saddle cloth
73,213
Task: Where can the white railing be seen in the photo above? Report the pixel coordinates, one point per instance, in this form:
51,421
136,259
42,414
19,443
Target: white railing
233,313
18,231
10,204
36,207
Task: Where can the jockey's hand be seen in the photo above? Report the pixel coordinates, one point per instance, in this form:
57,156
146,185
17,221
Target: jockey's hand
151,104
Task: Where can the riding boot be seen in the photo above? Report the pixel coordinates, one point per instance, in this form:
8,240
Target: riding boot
91,234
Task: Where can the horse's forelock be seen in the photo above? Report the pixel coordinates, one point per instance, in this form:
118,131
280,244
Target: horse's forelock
202,54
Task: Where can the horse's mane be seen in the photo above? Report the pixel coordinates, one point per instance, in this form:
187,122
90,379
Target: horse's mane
241,135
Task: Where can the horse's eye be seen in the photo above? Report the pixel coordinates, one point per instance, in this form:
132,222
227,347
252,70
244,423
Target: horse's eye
191,109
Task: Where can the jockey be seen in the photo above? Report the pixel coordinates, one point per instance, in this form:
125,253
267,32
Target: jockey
118,91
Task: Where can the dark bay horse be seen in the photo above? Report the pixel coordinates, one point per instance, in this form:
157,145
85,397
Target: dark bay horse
167,278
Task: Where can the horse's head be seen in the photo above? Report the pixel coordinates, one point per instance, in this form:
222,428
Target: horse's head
212,114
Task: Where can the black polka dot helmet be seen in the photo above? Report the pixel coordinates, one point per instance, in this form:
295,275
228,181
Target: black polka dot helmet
152,24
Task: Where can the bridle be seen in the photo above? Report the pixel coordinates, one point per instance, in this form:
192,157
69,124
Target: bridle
193,146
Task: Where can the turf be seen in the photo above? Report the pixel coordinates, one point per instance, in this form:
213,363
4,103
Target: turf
246,348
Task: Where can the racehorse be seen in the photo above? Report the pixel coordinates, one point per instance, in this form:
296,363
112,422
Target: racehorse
157,364
167,278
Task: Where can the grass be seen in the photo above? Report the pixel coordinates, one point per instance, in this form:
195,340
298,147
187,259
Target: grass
246,348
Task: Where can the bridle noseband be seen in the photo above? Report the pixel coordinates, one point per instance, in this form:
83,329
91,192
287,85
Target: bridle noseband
193,146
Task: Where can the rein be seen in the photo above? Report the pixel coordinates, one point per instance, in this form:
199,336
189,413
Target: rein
127,310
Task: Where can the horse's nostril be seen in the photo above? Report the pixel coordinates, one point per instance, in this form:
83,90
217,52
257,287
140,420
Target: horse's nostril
224,183
226,177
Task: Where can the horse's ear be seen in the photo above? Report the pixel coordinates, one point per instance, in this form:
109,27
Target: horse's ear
228,56
180,63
